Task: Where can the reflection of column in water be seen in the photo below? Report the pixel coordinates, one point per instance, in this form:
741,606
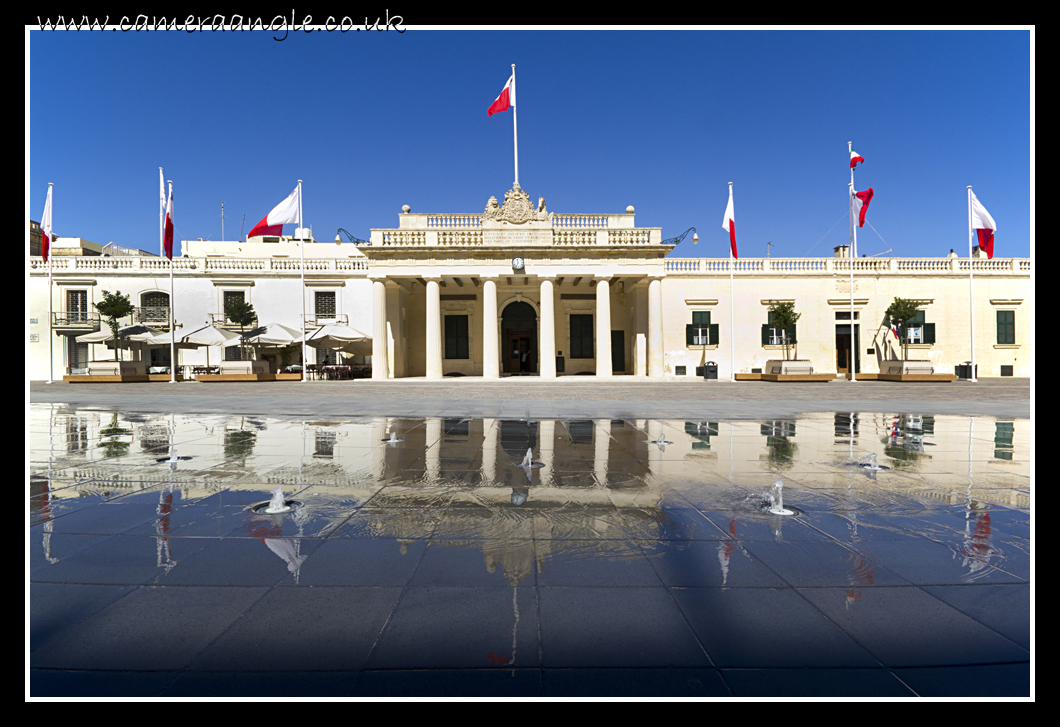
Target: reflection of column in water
546,437
601,441
655,460
379,450
489,451
434,448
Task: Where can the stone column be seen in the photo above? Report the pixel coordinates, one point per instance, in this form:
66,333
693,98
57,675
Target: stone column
655,329
380,369
491,363
433,456
547,330
434,329
490,431
603,328
601,448
546,438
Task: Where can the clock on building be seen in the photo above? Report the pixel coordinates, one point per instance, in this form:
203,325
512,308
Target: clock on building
517,263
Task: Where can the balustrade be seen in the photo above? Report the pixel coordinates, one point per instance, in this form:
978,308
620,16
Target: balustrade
579,221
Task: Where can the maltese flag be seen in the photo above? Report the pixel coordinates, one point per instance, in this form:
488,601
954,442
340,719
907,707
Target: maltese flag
984,226
729,223
167,239
855,158
46,227
284,213
506,100
861,200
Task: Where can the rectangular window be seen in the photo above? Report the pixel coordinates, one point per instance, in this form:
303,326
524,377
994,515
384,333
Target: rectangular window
77,305
581,336
701,332
231,296
773,335
1006,326
325,304
918,330
456,338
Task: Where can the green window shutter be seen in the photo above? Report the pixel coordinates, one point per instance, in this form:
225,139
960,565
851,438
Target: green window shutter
714,333
929,333
690,332
765,334
791,334
1006,326
701,317
917,320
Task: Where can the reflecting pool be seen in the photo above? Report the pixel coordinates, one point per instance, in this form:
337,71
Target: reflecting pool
515,544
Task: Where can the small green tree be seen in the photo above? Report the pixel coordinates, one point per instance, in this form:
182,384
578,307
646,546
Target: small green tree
901,311
242,313
784,317
113,307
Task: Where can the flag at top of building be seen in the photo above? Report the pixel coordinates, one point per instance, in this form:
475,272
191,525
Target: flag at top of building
861,200
46,227
167,239
729,223
284,213
855,158
506,100
984,226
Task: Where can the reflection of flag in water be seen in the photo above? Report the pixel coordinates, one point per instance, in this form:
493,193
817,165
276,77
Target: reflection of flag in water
894,429
496,658
977,548
286,550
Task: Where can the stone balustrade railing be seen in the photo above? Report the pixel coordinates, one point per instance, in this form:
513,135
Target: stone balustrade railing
830,266
157,266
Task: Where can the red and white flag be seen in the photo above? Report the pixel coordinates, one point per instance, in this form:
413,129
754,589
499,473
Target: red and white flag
984,226
167,238
284,213
506,100
46,227
861,200
729,223
855,158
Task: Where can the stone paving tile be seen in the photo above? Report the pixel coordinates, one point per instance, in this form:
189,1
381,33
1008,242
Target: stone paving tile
975,681
459,627
674,682
767,627
874,683
303,628
1004,608
615,627
151,629
909,627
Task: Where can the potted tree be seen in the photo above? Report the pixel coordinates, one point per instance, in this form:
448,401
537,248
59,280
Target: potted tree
899,313
242,313
113,307
782,316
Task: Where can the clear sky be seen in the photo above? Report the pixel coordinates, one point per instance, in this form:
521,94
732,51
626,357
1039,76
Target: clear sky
661,120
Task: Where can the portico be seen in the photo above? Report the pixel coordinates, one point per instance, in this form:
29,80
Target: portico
516,290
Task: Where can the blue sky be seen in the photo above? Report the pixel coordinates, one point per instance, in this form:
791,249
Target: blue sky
661,120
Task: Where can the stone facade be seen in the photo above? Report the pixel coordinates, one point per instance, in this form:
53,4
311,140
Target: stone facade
471,294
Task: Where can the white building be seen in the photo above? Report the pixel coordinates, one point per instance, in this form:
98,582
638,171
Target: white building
519,289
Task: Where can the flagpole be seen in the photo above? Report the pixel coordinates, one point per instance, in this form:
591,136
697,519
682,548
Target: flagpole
854,232
51,335
301,248
161,212
172,301
850,260
971,292
515,129
732,312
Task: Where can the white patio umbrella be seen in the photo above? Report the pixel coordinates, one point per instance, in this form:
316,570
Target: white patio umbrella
128,337
205,336
271,334
340,337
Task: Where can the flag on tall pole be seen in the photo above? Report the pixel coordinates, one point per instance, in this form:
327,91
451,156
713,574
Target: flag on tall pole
161,212
506,101
167,246
282,214
167,235
729,223
860,201
855,159
45,247
984,225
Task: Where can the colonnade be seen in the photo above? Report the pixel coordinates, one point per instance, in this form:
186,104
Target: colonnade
491,363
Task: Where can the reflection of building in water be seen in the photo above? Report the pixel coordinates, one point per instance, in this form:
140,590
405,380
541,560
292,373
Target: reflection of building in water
599,475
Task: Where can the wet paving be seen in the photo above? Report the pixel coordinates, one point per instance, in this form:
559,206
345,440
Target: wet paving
616,557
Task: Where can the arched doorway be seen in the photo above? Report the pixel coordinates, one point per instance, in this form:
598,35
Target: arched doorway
519,341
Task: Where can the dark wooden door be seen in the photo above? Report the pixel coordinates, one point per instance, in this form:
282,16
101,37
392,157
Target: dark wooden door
519,354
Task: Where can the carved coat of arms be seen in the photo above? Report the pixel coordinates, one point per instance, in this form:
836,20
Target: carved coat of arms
517,208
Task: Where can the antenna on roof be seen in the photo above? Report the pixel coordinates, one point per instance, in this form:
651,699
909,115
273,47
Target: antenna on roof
768,245
241,226
222,220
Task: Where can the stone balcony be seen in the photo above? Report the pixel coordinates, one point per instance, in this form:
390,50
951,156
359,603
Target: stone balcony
808,267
